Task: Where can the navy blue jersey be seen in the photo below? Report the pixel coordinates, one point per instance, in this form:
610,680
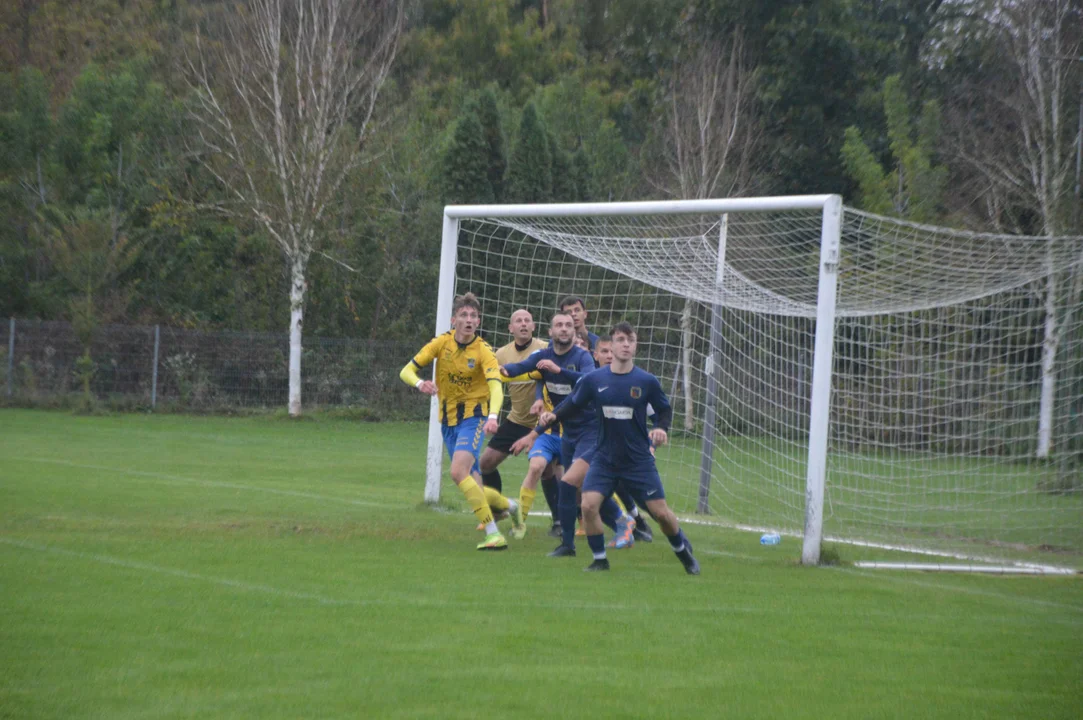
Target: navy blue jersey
620,405
573,365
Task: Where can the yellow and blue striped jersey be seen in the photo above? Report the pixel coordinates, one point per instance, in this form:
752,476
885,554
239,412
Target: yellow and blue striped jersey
462,375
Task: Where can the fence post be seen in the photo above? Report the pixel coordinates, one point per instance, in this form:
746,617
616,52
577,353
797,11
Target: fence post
11,356
154,373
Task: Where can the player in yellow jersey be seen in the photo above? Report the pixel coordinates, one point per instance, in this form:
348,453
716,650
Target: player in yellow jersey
467,383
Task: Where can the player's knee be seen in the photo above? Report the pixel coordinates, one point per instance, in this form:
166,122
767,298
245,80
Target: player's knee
591,504
489,461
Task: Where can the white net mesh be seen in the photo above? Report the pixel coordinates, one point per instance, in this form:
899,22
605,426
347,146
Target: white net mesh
938,370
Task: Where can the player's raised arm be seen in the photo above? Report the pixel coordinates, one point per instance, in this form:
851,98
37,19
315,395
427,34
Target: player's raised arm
409,375
586,365
523,367
571,406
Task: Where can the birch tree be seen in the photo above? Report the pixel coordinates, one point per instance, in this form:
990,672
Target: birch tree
708,142
1015,132
282,95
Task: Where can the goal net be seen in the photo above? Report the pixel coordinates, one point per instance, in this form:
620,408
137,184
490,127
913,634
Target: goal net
833,373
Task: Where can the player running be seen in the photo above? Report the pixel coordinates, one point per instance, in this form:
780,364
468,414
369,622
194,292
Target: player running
562,365
619,395
467,382
603,357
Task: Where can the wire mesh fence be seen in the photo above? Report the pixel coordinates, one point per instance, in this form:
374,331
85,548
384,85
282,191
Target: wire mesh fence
165,368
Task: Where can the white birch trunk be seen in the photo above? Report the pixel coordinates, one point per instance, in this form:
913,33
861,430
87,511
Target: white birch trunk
1049,370
297,309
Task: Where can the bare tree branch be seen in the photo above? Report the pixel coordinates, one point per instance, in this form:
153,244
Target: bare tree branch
711,129
282,93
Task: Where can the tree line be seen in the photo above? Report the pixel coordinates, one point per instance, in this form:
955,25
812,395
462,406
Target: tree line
200,164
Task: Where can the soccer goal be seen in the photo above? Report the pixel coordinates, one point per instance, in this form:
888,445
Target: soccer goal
834,374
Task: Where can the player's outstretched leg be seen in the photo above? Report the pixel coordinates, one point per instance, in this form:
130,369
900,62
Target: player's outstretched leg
462,463
566,511
659,509
549,488
593,524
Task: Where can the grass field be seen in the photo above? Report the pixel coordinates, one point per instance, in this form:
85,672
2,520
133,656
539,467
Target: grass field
213,567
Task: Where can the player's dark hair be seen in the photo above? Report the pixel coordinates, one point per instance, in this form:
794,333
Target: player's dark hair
465,300
624,328
556,315
603,338
572,300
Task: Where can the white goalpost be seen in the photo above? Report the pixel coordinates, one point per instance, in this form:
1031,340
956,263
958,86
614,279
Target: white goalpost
841,375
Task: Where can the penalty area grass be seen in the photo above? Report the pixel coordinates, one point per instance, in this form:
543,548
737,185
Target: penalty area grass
176,567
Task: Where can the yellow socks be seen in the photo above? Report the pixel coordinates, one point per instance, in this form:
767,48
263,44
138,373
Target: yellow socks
526,500
476,499
497,502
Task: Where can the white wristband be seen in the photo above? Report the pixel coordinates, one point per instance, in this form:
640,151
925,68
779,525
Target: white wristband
493,417
419,384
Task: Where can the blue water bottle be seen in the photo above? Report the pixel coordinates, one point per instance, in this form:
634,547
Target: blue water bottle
771,538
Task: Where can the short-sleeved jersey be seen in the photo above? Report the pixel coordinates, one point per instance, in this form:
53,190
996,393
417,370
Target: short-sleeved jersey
573,365
462,375
620,404
521,391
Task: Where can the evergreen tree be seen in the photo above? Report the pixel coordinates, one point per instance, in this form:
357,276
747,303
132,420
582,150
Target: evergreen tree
564,189
465,164
582,177
489,116
530,178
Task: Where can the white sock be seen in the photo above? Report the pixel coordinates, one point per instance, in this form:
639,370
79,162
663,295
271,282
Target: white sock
490,528
599,556
634,512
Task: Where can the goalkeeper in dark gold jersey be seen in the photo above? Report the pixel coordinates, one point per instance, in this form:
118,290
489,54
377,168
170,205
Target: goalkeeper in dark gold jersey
467,382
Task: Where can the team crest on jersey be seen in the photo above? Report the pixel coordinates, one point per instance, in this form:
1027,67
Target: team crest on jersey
470,363
571,366
637,393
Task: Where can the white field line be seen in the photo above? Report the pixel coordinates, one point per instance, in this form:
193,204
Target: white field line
739,556
1042,569
165,478
145,570
168,479
962,568
1003,566
947,586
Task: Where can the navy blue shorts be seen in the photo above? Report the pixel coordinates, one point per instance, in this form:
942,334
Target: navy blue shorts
580,447
642,482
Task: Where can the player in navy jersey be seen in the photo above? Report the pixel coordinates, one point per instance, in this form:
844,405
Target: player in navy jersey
603,357
618,396
574,306
562,364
